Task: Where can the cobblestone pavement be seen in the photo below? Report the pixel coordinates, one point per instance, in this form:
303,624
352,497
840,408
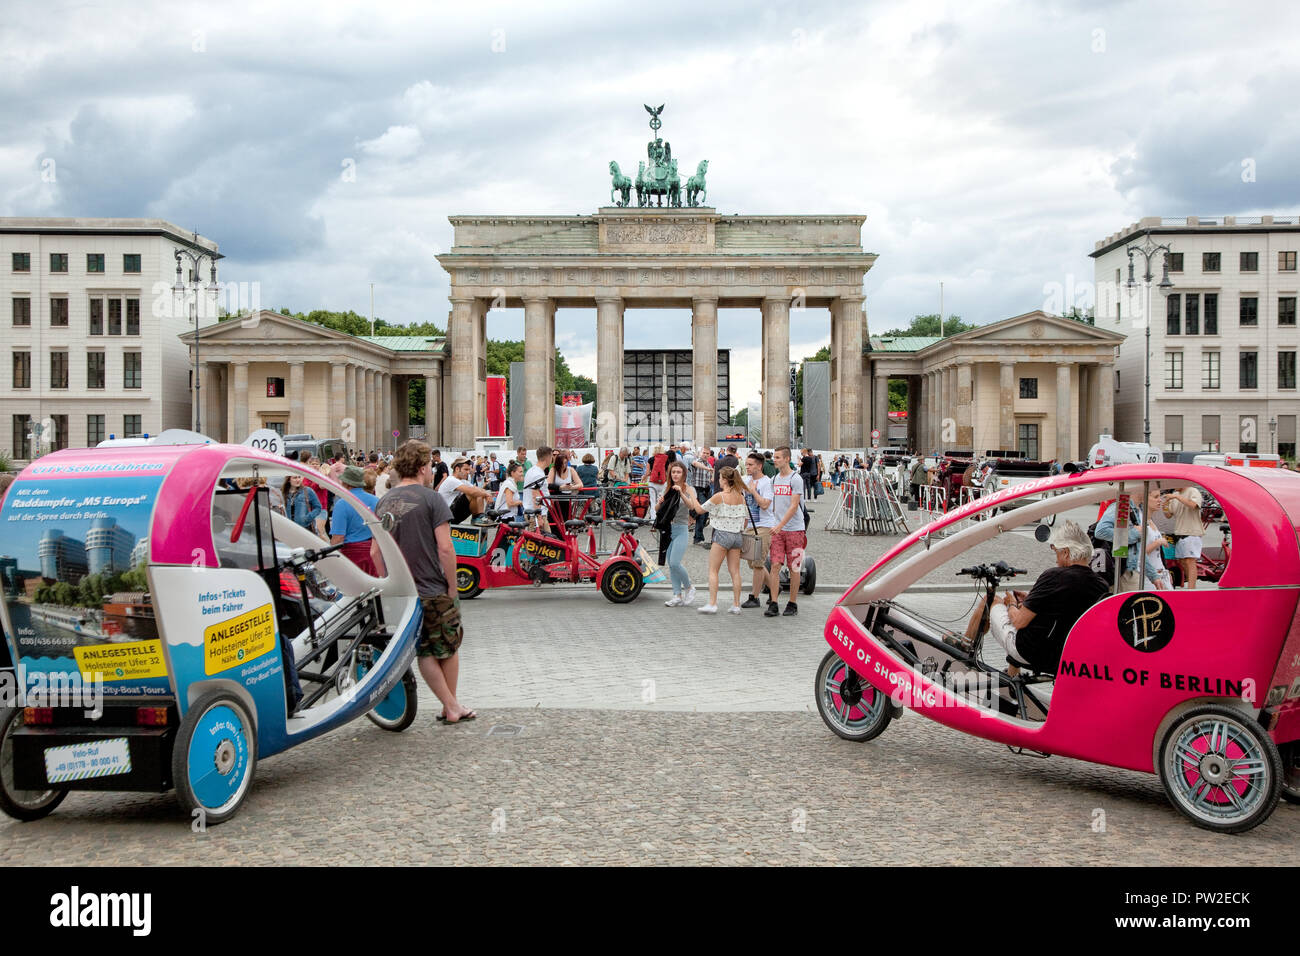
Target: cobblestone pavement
569,762
569,786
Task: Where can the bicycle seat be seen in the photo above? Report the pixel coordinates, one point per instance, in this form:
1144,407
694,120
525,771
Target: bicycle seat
594,520
574,524
624,525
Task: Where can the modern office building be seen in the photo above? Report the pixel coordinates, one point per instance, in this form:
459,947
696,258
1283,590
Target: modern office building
1224,338
93,329
62,558
108,547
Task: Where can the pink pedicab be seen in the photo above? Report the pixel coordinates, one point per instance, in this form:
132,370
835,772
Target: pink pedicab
1200,686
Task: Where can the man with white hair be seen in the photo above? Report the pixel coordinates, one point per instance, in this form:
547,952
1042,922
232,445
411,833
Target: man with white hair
1032,628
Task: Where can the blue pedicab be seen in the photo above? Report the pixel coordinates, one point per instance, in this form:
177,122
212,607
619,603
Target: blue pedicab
168,629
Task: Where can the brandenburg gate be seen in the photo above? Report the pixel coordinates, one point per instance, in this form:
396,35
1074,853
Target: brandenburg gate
656,257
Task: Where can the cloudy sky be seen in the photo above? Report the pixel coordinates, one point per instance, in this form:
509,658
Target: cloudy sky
324,146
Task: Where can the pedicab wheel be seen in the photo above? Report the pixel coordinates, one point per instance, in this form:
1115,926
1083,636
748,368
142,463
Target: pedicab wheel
396,711
1290,771
467,584
20,804
214,757
622,583
1221,770
850,707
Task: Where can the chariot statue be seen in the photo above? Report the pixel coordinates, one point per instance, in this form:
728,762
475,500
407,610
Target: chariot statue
657,180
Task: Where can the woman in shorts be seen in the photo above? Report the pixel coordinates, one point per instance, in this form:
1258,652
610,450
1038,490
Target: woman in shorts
1184,506
728,514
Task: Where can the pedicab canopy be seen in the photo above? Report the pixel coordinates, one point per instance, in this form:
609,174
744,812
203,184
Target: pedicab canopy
118,565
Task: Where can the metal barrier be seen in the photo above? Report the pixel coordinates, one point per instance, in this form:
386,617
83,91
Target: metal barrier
867,505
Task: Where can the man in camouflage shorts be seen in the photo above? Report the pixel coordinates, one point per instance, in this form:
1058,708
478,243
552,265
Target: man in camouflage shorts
422,530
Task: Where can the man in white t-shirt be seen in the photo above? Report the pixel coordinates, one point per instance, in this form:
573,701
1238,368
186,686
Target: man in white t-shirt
534,490
463,497
789,540
758,498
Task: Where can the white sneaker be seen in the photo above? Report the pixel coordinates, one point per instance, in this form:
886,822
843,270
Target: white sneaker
673,601
689,599
709,609
735,609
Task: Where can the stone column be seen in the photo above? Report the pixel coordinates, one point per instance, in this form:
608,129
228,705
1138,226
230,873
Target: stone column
704,370
386,410
776,371
377,410
338,398
463,336
880,407
609,369
550,370
1063,423
847,326
433,406
239,427
538,414
297,400
1105,399
480,310
1007,404
349,427
965,412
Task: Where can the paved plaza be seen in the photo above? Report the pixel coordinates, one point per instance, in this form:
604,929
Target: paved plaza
651,735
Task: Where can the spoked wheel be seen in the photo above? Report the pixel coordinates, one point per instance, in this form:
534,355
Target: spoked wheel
850,706
622,583
214,756
467,582
1221,770
396,711
1290,771
20,804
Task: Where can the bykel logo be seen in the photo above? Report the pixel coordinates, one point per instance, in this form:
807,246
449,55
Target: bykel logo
1146,622
544,551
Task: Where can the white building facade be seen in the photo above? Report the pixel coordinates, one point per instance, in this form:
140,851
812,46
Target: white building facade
92,330
1224,338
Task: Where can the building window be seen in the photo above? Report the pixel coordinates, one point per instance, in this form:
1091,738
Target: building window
60,439
1119,312
1248,370
1175,261
94,262
96,316
1249,440
95,366
1209,262
58,262
132,316
131,369
1250,262
1192,319
94,430
22,310
1174,315
1286,262
22,437
59,313
1211,313
114,316
131,262
1209,370
1029,388
1210,432
275,388
1248,310
22,370
1286,369
1286,310
132,426
58,370
1173,370
1173,440
1286,436
22,262
1027,436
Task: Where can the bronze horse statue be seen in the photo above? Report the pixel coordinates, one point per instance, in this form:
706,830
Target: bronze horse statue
622,186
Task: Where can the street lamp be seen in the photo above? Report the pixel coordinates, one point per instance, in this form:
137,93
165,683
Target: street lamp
1272,434
1147,250
195,257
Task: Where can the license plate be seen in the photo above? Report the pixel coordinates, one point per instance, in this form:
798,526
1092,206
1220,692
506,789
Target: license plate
96,758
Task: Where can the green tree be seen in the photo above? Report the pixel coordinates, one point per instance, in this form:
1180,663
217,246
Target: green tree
741,418
928,325
1087,318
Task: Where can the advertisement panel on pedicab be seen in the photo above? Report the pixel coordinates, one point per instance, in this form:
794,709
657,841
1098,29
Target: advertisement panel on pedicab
78,607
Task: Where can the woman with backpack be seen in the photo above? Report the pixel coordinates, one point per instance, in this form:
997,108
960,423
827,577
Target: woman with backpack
672,521
301,504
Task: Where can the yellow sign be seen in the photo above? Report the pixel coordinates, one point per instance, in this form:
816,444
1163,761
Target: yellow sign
129,661
546,551
465,535
238,640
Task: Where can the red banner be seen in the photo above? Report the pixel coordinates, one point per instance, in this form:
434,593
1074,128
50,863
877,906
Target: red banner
496,405
570,399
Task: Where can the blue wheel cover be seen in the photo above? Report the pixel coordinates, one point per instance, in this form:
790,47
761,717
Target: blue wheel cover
392,707
212,788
